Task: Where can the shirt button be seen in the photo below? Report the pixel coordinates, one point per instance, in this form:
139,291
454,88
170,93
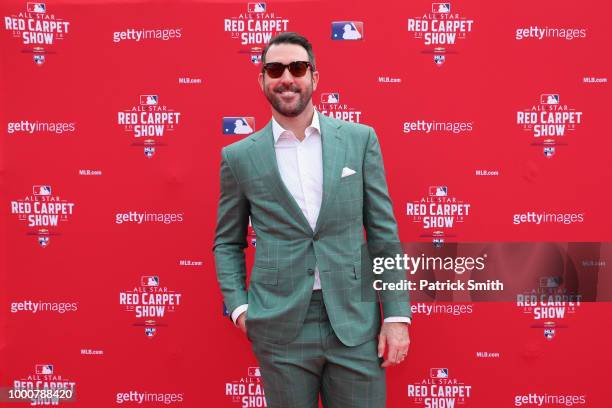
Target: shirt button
316,237
310,271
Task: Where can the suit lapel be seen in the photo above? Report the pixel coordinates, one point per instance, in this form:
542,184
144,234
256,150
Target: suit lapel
334,152
263,157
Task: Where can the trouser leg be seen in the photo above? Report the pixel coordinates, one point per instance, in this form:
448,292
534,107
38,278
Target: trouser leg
291,372
352,376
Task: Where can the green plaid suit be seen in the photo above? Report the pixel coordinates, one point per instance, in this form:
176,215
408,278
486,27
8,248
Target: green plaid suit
281,281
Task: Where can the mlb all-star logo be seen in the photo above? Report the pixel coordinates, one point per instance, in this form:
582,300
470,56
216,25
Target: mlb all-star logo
150,328
247,391
440,28
543,306
437,239
256,53
148,123
334,105
551,300
439,57
150,301
439,212
45,377
254,27
548,121
42,211
38,28
439,389
549,330
548,147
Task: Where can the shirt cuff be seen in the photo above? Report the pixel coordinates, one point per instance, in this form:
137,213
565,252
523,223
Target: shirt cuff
395,319
238,311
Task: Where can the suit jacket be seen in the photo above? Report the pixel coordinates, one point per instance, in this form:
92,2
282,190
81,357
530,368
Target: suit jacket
288,249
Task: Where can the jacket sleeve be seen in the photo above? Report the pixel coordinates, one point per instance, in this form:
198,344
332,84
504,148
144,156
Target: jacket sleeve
381,227
231,237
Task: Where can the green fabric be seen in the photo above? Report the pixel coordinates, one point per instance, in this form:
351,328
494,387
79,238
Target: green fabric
316,362
288,249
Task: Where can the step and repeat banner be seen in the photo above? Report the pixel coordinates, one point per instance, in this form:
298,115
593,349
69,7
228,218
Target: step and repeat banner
494,127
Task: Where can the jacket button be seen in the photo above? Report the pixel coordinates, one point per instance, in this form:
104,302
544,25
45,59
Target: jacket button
316,237
311,271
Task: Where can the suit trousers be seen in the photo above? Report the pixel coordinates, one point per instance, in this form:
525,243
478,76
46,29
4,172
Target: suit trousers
317,363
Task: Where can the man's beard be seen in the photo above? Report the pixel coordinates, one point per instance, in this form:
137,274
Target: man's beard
281,107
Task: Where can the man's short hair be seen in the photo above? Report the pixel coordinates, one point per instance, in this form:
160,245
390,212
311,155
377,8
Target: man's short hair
291,38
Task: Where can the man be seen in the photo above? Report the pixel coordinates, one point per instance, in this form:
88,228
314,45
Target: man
310,184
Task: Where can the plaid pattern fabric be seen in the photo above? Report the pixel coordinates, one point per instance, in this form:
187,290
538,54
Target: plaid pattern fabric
288,249
316,362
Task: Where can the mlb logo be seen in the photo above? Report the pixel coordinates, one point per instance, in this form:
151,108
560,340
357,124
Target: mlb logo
238,125
549,151
149,148
149,151
550,282
256,59
37,7
438,242
440,7
149,280
439,59
549,99
44,368
41,190
43,240
256,7
256,55
39,59
438,191
438,372
347,30
150,331
148,99
333,97
254,372
549,334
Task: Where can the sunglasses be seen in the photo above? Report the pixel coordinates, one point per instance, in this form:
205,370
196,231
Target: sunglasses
296,68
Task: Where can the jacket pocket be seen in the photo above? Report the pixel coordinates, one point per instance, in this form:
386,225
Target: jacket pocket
264,275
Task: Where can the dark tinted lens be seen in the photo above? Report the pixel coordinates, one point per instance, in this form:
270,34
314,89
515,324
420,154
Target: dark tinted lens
298,68
275,69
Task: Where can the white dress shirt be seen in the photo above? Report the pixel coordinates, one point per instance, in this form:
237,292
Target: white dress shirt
300,164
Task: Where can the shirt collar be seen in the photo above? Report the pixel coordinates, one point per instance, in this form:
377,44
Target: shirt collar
277,129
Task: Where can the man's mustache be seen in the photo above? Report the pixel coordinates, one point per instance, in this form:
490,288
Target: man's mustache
284,88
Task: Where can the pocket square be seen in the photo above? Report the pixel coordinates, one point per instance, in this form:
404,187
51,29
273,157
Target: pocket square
347,172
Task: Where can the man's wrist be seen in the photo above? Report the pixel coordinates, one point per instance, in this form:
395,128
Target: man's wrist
398,319
238,311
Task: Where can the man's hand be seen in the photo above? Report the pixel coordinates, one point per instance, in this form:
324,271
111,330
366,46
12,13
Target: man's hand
241,322
393,338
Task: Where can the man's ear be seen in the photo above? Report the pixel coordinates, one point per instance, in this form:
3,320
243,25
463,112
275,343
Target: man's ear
315,80
260,78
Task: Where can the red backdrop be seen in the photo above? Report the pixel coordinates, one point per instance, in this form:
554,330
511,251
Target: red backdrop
90,223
